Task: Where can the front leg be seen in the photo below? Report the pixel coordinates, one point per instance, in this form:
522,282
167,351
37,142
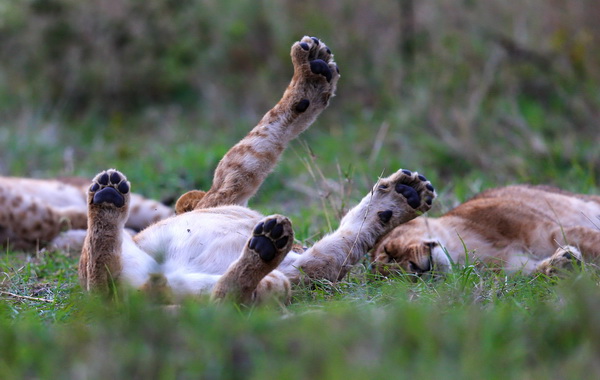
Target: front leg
252,277
108,208
394,200
244,168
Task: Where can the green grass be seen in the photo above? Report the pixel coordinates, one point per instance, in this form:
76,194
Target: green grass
472,324
161,90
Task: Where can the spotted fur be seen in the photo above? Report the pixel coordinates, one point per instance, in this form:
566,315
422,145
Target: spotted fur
37,213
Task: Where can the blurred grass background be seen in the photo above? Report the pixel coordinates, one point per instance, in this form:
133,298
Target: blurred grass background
473,94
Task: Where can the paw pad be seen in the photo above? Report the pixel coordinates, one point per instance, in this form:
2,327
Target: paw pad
318,66
413,187
302,105
385,216
411,195
269,238
109,187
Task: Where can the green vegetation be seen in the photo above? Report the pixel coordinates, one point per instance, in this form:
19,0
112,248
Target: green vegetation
493,93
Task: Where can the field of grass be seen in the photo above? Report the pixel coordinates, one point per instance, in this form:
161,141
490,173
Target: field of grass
491,94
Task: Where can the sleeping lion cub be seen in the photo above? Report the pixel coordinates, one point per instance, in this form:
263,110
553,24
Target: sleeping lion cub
218,246
37,213
533,229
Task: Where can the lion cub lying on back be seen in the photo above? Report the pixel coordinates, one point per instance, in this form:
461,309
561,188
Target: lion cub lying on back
517,228
217,245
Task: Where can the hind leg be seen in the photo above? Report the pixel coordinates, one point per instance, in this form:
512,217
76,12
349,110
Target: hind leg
251,278
394,200
244,168
109,253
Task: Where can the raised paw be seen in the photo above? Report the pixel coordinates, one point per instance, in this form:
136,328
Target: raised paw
315,72
272,237
109,187
402,188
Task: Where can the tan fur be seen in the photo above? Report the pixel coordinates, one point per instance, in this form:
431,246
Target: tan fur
35,213
517,228
189,201
218,246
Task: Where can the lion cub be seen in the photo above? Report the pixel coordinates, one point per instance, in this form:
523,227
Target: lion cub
37,213
533,229
218,246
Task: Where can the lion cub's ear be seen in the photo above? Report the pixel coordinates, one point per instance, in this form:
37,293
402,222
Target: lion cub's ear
188,201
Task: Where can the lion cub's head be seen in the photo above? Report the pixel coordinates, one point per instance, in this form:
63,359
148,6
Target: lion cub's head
410,249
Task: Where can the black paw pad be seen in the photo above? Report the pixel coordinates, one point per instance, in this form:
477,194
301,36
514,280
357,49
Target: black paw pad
123,187
258,230
429,187
277,231
428,200
422,178
264,247
304,45
316,40
115,178
302,105
269,225
318,66
109,195
282,242
407,172
94,187
411,195
103,180
385,216
568,256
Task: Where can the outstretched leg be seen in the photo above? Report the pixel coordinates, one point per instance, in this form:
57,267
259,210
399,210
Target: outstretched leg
108,208
244,168
394,200
251,278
